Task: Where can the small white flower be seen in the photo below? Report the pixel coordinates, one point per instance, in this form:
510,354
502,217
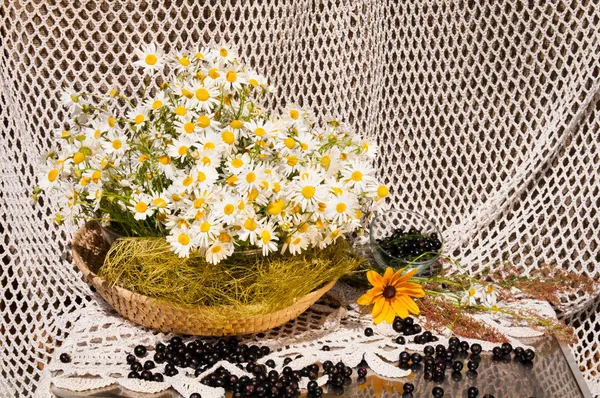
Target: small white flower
149,57
138,115
209,229
140,206
50,176
490,294
238,163
472,295
307,190
267,238
218,251
71,101
226,54
358,174
115,143
341,208
183,240
206,97
249,229
234,78
295,244
179,148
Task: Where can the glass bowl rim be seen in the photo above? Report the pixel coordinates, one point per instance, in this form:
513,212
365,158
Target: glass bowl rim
379,215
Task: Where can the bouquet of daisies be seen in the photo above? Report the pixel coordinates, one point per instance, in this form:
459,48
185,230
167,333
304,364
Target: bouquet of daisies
195,159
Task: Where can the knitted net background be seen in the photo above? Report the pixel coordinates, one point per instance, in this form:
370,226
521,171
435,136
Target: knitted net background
487,115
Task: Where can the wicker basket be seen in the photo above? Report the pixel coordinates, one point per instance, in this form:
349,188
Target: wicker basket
89,250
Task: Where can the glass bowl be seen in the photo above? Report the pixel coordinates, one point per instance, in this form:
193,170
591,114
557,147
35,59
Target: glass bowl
410,228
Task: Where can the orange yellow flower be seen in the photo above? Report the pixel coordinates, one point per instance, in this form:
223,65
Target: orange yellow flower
392,295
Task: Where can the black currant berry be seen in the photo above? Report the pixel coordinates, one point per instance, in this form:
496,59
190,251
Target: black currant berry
158,377
438,392
408,387
476,349
368,332
472,365
139,351
400,340
65,358
472,392
133,375
131,359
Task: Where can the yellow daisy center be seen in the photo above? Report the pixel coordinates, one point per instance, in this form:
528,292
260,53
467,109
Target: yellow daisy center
250,224
357,176
237,163
341,207
201,176
151,59
116,144
52,175
251,177
308,191
205,227
216,249
184,61
141,207
139,119
189,127
164,160
187,181
157,104
292,160
202,94
231,76
294,114
183,239
228,137
382,191
228,209
325,162
78,158
223,52
260,131
204,121
160,203
265,236
182,150
236,124
289,142
472,292
180,110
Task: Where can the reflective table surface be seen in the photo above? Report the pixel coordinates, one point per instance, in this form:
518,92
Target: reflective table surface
554,374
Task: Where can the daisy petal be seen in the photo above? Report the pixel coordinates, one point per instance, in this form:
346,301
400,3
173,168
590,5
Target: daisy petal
383,315
390,316
387,277
378,307
410,304
399,308
407,276
374,278
369,297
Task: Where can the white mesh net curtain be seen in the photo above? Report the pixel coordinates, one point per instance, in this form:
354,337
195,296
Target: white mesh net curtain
487,115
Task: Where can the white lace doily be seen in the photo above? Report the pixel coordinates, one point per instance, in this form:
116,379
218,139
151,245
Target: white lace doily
100,340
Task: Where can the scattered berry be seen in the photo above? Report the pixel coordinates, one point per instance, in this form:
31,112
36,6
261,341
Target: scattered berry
438,392
139,351
408,387
65,358
368,332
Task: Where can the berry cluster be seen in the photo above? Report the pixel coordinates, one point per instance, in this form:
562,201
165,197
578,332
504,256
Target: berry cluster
196,355
411,244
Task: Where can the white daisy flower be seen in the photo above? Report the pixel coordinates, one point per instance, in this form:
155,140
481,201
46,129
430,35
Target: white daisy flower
358,175
160,201
205,176
183,239
72,101
293,113
249,229
237,164
138,115
308,191
378,192
50,176
219,251
267,238
250,178
234,78
209,157
229,139
367,147
187,127
205,54
115,143
290,164
140,206
256,80
472,295
226,208
157,102
226,54
261,129
489,294
209,229
295,244
165,165
179,148
149,57
209,140
206,97
181,60
341,208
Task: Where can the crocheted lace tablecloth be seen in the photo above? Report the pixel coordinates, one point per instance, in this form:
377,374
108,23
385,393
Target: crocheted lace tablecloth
100,340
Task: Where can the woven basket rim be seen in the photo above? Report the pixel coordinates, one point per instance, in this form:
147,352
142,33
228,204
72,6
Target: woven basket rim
96,281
